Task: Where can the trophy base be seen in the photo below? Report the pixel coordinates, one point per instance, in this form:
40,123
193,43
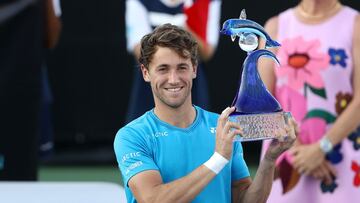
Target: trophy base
260,126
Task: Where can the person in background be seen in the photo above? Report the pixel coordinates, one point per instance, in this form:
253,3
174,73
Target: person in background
199,17
319,82
21,54
179,152
52,31
23,36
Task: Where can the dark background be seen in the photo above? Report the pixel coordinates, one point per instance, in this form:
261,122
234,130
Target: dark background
91,74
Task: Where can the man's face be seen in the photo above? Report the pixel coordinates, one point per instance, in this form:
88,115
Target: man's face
170,77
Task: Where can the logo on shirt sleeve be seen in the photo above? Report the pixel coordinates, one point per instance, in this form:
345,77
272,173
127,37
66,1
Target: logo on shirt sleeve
129,156
133,166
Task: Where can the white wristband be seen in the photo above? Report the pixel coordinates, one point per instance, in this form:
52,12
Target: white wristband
216,163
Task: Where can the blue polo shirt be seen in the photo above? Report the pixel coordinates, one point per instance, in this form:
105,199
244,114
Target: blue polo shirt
148,143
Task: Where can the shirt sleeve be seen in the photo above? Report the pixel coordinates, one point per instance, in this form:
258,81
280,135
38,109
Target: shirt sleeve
133,153
239,169
137,23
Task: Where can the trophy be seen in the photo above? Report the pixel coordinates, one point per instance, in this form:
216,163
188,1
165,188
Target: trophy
257,111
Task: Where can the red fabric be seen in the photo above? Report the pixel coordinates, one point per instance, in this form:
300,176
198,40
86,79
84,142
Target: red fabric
288,175
197,17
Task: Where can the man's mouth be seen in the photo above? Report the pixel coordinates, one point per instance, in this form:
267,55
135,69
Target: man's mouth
174,89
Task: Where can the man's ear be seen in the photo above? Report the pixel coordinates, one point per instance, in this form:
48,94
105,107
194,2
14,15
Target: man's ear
145,73
195,67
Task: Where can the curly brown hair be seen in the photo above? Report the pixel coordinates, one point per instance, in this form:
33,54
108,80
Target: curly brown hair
172,37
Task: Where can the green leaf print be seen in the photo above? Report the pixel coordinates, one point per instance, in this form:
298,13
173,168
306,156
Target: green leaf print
318,113
320,92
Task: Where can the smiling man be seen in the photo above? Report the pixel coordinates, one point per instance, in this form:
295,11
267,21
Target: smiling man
172,153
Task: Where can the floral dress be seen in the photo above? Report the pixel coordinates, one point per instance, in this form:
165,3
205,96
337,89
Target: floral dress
314,83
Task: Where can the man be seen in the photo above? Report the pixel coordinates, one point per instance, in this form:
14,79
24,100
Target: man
200,17
178,152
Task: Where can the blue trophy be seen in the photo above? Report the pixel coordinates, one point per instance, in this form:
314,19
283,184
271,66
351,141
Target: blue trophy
257,111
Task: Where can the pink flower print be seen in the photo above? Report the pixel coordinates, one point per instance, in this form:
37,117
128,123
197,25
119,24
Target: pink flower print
311,130
301,62
292,101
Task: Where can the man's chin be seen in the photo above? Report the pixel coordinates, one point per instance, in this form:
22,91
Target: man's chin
174,104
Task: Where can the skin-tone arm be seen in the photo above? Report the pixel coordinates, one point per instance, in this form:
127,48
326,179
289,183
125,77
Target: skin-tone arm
206,50
52,25
258,191
324,171
266,66
308,157
136,51
148,186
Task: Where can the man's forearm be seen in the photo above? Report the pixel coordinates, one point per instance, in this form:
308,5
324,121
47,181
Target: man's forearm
151,189
190,187
260,188
184,189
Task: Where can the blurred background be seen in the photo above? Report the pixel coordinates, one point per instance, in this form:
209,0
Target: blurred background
90,75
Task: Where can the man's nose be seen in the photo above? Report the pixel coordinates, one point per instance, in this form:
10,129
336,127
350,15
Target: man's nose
173,77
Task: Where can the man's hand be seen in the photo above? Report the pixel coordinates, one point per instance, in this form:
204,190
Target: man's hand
225,133
285,138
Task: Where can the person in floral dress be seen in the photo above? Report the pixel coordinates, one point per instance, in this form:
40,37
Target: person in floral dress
318,81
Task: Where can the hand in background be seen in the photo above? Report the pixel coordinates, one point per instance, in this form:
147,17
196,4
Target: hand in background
307,157
324,172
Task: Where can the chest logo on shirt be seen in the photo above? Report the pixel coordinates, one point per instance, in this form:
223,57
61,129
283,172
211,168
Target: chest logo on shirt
213,130
160,134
